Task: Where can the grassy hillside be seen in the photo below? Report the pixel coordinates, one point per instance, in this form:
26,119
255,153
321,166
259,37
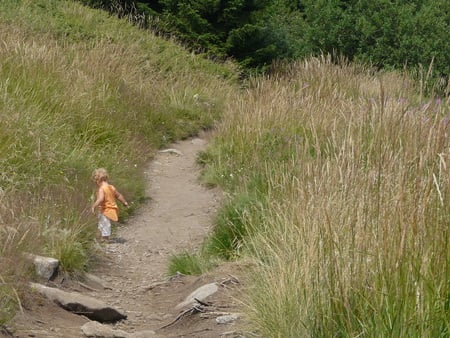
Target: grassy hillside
79,90
339,180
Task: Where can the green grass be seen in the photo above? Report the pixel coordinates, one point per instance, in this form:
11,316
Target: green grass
232,225
189,263
185,263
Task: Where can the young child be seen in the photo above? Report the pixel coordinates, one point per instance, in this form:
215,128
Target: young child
106,200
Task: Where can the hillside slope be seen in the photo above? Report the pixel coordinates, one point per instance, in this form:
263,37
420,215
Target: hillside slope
79,90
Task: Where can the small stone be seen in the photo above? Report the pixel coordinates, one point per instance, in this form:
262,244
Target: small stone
95,329
46,267
227,318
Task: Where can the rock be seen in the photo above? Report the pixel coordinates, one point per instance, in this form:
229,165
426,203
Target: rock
97,281
45,267
172,151
227,318
198,141
97,330
201,293
80,304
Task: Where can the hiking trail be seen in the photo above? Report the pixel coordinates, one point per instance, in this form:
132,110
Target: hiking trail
132,269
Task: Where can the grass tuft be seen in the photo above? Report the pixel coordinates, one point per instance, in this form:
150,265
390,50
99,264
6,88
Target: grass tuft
186,263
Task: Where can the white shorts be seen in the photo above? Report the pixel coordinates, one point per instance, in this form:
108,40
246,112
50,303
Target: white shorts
104,225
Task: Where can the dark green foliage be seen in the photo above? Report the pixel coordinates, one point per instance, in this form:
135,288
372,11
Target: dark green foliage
385,33
392,34
220,28
329,28
253,45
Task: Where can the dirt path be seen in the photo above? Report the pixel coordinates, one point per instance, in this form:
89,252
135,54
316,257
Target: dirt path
133,268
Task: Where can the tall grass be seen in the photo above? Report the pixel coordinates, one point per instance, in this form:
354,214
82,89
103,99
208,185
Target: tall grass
352,170
16,238
80,89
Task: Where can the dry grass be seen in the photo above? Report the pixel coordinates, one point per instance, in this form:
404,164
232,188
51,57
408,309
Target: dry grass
352,238
15,270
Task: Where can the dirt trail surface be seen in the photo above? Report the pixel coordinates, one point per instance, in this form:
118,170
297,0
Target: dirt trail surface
132,270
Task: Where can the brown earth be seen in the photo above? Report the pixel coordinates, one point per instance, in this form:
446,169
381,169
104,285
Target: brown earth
177,217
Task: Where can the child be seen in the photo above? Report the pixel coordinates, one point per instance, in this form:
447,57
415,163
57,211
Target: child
106,200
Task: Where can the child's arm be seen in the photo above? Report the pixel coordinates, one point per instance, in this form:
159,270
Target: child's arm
121,198
100,199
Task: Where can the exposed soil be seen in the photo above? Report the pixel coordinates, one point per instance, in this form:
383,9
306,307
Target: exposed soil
133,267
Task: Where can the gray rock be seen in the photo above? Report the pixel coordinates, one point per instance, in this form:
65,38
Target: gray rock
171,151
45,267
96,281
198,141
227,318
81,304
97,330
201,294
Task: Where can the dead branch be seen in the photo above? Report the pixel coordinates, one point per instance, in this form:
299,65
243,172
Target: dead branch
188,312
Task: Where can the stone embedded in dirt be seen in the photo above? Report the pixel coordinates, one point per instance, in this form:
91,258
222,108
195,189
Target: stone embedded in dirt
81,304
172,151
198,141
97,330
201,293
227,318
45,267
97,281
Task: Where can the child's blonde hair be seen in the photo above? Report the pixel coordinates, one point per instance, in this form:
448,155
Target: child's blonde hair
100,175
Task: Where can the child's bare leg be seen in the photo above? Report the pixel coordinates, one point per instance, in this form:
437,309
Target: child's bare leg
104,226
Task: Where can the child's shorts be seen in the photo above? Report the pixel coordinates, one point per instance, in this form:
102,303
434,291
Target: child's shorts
104,225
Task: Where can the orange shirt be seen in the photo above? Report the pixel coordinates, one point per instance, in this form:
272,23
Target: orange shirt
109,206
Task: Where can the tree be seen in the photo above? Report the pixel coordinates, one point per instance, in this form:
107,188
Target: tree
386,33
